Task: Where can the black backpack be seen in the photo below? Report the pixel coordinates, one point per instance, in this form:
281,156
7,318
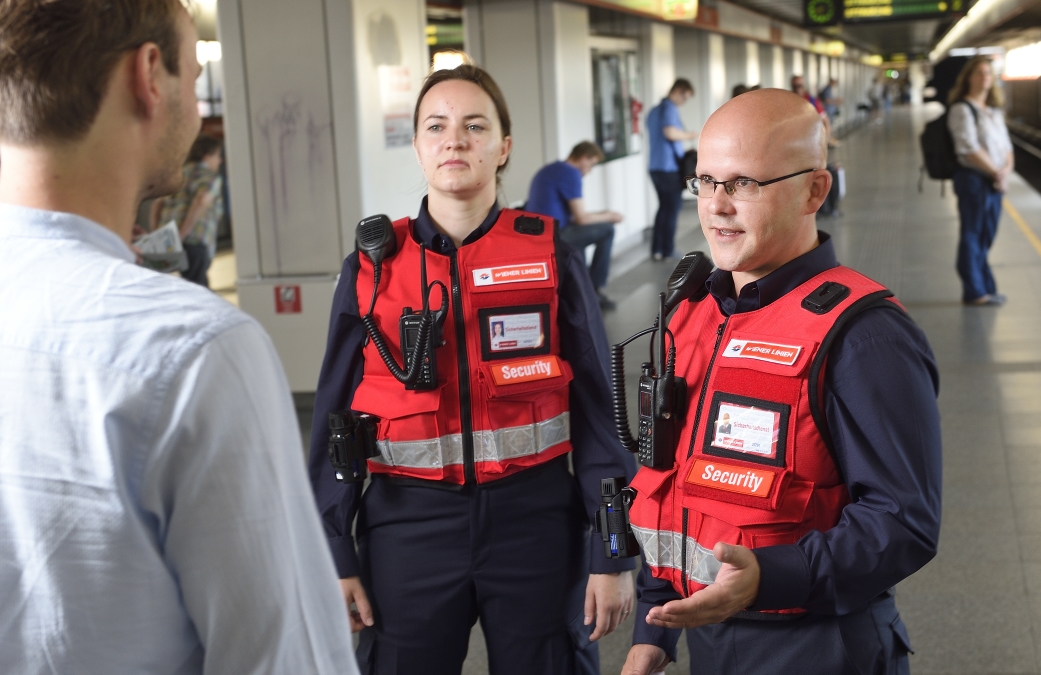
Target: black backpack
939,158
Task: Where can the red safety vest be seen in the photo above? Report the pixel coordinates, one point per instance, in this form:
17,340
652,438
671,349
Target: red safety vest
752,465
502,401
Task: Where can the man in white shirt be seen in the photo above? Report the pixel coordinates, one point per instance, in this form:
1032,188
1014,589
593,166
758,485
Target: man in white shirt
154,511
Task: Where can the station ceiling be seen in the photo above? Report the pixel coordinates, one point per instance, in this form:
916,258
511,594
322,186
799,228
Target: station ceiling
909,37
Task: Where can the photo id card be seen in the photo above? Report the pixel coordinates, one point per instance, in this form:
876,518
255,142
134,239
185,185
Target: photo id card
513,332
510,332
748,429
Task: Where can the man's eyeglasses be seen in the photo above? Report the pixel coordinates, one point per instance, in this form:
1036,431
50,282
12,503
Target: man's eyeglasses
741,188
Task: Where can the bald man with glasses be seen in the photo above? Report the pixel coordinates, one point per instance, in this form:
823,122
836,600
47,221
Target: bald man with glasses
777,545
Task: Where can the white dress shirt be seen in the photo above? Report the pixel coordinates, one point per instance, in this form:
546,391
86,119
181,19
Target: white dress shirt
155,516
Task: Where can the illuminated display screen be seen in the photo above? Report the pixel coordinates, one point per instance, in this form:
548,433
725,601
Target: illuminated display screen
830,12
672,10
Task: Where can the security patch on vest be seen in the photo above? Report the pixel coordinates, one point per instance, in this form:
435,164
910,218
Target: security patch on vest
739,479
771,352
526,370
746,428
511,274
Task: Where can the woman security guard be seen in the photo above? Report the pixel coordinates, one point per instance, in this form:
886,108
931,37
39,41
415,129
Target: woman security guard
472,511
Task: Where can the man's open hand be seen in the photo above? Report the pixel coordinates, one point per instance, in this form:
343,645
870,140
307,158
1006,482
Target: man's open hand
736,587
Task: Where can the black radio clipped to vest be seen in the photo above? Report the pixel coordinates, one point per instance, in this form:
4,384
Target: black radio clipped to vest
420,332
409,325
662,395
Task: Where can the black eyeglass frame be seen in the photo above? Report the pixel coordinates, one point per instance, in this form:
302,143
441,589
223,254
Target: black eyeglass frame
729,187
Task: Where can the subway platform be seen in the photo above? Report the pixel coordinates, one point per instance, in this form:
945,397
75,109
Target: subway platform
976,608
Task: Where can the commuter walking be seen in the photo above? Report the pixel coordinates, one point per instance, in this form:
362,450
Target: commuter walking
830,99
984,151
472,512
665,134
197,208
776,546
154,513
556,191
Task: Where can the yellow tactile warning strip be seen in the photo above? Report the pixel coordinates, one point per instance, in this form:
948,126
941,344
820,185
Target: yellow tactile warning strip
1022,224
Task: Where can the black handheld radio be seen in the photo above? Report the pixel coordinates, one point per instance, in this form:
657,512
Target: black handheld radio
420,332
612,519
409,326
352,440
662,395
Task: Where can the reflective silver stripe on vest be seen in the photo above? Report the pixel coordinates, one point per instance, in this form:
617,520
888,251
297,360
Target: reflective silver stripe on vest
489,446
663,549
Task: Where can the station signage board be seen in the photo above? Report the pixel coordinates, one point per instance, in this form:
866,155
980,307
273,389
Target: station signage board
669,10
832,12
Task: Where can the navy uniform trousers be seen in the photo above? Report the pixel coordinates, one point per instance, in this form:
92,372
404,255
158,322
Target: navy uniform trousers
870,641
511,553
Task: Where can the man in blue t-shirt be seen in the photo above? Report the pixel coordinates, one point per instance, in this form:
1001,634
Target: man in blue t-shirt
666,134
556,190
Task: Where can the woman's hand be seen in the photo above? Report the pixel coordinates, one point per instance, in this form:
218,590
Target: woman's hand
609,597
354,593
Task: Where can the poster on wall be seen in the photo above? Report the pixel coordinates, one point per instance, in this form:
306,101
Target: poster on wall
396,98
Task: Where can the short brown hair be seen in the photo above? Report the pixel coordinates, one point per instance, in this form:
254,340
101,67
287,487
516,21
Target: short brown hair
57,57
204,146
995,97
586,149
682,84
478,76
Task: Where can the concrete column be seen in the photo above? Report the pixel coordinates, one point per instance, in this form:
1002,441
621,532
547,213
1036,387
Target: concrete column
916,74
319,95
752,70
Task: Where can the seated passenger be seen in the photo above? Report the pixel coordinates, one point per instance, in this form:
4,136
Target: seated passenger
556,190
155,516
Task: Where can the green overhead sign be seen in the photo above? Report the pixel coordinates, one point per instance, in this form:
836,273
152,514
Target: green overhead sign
832,12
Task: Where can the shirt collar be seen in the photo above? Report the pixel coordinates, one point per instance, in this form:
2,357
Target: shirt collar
29,223
427,233
774,285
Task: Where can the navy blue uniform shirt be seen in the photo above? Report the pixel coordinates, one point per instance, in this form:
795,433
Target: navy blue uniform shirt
880,390
552,189
583,344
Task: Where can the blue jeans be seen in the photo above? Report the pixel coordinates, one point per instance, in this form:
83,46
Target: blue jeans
601,234
670,201
979,209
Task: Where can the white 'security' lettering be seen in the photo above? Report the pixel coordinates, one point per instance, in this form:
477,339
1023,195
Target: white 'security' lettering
739,479
536,368
747,479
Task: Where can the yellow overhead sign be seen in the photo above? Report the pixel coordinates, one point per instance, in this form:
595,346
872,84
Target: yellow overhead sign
670,10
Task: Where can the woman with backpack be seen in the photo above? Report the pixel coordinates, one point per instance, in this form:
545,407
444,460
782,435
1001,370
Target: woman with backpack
985,159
